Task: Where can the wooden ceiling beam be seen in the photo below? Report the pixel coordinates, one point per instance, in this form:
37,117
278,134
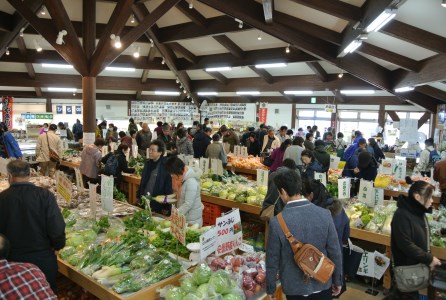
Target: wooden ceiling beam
39,92
431,92
392,57
176,47
116,23
6,22
219,77
140,10
22,48
192,14
414,35
89,28
232,47
338,96
68,52
318,70
424,118
335,8
433,69
144,76
71,42
268,9
138,95
393,116
263,74
215,26
422,100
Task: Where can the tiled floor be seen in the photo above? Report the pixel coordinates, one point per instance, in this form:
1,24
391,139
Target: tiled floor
356,291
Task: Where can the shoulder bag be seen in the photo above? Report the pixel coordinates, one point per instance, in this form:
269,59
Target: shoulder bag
54,157
267,213
308,258
415,277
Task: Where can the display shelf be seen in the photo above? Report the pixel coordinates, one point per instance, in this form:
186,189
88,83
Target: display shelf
396,194
70,164
105,293
252,209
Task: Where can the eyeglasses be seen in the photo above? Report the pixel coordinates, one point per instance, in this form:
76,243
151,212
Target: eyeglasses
153,150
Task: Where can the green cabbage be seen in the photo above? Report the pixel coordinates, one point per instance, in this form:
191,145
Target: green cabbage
75,259
221,282
201,274
202,291
191,296
188,285
175,293
232,297
67,252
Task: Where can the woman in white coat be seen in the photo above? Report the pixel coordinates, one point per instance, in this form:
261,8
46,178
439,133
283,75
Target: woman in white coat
186,183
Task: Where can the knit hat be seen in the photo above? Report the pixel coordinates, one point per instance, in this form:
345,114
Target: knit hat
364,159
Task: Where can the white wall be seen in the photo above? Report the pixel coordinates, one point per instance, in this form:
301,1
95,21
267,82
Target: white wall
283,117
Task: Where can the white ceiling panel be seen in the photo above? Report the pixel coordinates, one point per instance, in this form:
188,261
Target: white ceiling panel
6,7
115,92
39,69
427,15
198,75
291,69
205,10
172,17
383,63
239,72
161,74
12,67
136,74
310,15
16,88
439,85
398,46
203,46
248,40
329,68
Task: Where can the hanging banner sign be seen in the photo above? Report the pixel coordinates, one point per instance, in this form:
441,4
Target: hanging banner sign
344,188
107,193
263,112
229,232
331,108
64,186
178,225
7,115
78,110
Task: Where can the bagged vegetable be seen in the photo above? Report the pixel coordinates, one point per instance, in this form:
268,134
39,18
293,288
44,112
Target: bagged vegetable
221,282
188,284
175,293
202,274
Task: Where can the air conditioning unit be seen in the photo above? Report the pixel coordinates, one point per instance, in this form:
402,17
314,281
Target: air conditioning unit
276,111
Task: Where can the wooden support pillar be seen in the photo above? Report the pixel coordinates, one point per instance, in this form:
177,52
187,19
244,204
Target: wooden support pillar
89,107
434,121
293,115
382,116
334,121
129,108
49,105
394,116
257,112
424,118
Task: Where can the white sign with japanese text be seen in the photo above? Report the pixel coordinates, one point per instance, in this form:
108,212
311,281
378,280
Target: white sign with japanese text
88,138
366,192
93,196
244,151
64,186
216,166
79,181
107,193
204,165
237,151
387,166
367,265
334,162
229,232
262,177
399,169
378,197
208,243
344,188
322,177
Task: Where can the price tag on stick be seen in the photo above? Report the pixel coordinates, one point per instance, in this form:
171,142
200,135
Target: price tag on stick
79,181
107,193
178,225
64,186
93,196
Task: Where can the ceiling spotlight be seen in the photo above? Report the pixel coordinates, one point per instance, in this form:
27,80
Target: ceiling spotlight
191,4
340,75
74,94
184,92
21,31
151,43
443,3
42,11
60,36
363,36
240,23
163,61
287,49
37,46
259,37
117,40
7,51
177,80
136,53
132,20
181,86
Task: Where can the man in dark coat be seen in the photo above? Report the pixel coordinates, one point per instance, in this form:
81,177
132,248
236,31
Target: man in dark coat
202,140
321,155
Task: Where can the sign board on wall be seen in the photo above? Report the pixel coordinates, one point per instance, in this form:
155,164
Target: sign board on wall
227,111
78,109
7,115
263,112
69,109
59,109
153,111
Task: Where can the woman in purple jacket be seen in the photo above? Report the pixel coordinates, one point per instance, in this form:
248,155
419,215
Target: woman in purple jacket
277,155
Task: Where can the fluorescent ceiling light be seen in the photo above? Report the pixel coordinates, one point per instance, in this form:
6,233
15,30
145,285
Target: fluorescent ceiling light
352,46
381,20
207,93
120,69
167,93
61,89
216,69
275,65
298,92
404,89
443,3
357,92
57,66
248,93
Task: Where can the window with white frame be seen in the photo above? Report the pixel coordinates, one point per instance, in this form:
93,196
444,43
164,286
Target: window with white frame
424,129
310,117
364,121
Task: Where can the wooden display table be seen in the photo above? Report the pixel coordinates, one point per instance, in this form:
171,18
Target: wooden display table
251,209
70,164
248,173
133,182
395,194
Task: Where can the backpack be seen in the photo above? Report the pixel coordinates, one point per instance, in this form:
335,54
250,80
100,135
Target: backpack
350,151
340,150
111,166
433,158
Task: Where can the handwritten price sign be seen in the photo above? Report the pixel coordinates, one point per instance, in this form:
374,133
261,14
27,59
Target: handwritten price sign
64,186
229,232
178,225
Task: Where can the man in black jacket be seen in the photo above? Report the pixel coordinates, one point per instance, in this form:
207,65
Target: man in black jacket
201,141
31,220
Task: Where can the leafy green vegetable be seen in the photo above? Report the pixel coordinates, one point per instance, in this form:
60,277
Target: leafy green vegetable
202,291
117,195
103,223
202,274
128,284
188,285
191,296
75,259
140,219
175,293
67,252
165,268
221,282
107,271
65,212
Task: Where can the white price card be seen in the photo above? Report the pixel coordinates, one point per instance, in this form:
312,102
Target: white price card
367,264
334,162
344,188
381,263
104,151
204,165
216,166
107,193
93,196
237,151
399,169
79,181
88,138
135,151
387,166
178,225
64,186
208,243
378,197
244,151
262,177
366,192
229,232
247,248
322,177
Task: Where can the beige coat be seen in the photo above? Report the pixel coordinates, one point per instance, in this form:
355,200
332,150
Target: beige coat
42,150
275,144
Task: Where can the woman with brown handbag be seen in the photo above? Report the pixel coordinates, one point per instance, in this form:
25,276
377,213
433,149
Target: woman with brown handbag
46,143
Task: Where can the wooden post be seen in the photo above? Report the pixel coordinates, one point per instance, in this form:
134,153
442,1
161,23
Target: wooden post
434,121
49,105
89,103
382,116
293,115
